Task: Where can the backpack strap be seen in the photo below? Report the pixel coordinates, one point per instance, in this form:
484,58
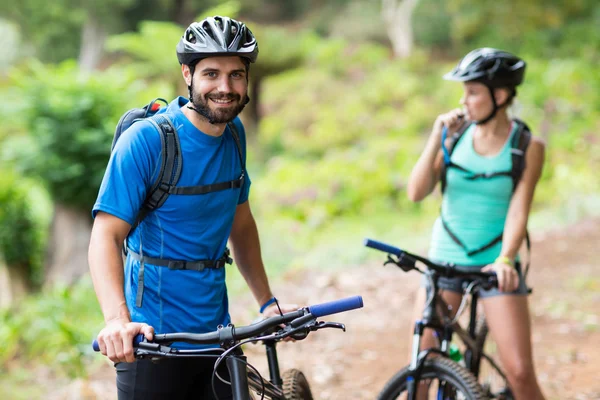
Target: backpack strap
238,144
470,253
170,167
447,150
520,143
214,187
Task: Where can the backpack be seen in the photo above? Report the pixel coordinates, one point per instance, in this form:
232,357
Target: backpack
519,144
171,160
166,184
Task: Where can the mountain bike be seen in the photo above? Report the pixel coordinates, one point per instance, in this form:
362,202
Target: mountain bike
291,385
442,377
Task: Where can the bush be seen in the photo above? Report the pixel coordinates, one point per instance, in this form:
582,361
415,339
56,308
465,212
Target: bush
69,120
53,328
22,231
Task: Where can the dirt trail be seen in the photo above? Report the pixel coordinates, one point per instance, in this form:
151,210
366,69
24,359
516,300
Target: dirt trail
356,364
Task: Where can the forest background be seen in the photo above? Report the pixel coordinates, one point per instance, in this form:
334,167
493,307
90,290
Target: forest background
344,95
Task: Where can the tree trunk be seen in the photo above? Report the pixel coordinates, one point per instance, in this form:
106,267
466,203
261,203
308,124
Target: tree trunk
14,284
180,13
252,110
66,258
93,37
397,15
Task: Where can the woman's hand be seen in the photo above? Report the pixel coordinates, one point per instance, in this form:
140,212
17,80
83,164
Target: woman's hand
451,120
508,278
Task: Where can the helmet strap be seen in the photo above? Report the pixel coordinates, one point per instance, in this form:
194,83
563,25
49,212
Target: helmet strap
494,111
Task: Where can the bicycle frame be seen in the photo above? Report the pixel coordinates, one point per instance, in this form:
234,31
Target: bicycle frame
433,317
436,315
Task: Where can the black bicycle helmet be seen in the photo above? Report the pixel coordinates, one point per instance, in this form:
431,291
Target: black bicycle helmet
492,67
495,68
216,36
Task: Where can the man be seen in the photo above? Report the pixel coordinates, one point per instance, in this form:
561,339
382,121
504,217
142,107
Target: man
155,291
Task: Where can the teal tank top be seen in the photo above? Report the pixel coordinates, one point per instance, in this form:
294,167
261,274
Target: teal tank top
474,210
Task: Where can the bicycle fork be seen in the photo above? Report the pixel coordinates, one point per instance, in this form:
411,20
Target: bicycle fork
418,358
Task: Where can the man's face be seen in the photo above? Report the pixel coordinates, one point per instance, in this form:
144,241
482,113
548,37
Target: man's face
220,87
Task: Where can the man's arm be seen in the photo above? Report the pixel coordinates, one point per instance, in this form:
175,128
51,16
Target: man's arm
245,245
106,265
106,268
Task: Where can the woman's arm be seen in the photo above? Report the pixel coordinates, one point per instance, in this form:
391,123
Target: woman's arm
426,172
518,212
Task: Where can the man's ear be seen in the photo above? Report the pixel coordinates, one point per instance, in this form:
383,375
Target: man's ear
187,74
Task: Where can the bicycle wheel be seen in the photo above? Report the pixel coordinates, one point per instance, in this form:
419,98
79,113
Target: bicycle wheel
486,368
295,385
444,379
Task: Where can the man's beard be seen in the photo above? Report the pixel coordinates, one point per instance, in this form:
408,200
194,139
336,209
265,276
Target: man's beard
219,115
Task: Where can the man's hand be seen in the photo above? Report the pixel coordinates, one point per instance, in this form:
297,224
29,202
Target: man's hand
116,339
272,309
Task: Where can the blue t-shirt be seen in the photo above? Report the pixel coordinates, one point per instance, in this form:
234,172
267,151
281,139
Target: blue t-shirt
186,227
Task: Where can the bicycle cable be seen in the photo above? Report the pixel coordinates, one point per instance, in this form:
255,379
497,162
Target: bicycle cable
463,302
227,352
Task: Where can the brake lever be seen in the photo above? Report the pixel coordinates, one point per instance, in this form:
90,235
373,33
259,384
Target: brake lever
142,354
397,262
321,325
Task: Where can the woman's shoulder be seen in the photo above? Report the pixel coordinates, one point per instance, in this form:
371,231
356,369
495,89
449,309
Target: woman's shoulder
537,142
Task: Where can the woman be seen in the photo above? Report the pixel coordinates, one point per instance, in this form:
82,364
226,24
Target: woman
484,213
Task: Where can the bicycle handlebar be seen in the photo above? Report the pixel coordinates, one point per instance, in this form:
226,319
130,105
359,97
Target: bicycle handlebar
231,332
408,260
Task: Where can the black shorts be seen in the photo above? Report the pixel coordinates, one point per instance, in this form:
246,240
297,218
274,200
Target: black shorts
456,285
172,379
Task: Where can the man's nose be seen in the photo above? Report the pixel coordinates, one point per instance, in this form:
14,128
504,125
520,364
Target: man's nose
224,85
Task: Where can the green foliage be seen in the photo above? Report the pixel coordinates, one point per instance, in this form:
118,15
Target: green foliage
349,150
537,27
52,27
70,121
53,328
230,8
152,49
432,24
22,229
343,133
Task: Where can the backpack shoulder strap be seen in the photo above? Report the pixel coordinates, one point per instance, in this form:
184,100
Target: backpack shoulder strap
170,166
449,149
519,144
238,144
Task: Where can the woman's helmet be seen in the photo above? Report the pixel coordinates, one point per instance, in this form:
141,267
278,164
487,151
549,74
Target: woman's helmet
494,68
216,36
